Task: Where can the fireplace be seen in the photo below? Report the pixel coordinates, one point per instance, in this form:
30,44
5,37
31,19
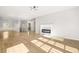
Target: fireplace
46,31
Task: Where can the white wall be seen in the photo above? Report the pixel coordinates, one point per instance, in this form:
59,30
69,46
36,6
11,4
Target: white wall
65,23
23,26
9,24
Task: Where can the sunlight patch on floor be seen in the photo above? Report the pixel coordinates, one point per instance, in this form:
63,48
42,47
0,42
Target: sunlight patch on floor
60,45
51,42
34,41
71,49
20,48
46,47
5,35
40,38
43,39
37,43
53,50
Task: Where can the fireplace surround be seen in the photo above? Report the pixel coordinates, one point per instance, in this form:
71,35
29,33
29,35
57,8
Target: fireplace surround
46,30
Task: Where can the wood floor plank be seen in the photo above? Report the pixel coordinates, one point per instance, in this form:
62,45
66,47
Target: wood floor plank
33,43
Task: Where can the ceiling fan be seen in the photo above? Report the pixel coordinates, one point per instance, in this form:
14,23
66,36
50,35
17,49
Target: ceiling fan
34,7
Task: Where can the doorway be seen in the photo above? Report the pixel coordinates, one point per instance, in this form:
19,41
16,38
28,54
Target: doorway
31,25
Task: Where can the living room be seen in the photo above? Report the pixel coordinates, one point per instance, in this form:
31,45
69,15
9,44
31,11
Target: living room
39,29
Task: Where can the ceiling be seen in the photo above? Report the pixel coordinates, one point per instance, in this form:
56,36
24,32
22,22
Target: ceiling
25,12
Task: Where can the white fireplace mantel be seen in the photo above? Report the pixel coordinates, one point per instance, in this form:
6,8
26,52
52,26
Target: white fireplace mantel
48,27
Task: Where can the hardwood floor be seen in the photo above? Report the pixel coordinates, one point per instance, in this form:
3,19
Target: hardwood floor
25,42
